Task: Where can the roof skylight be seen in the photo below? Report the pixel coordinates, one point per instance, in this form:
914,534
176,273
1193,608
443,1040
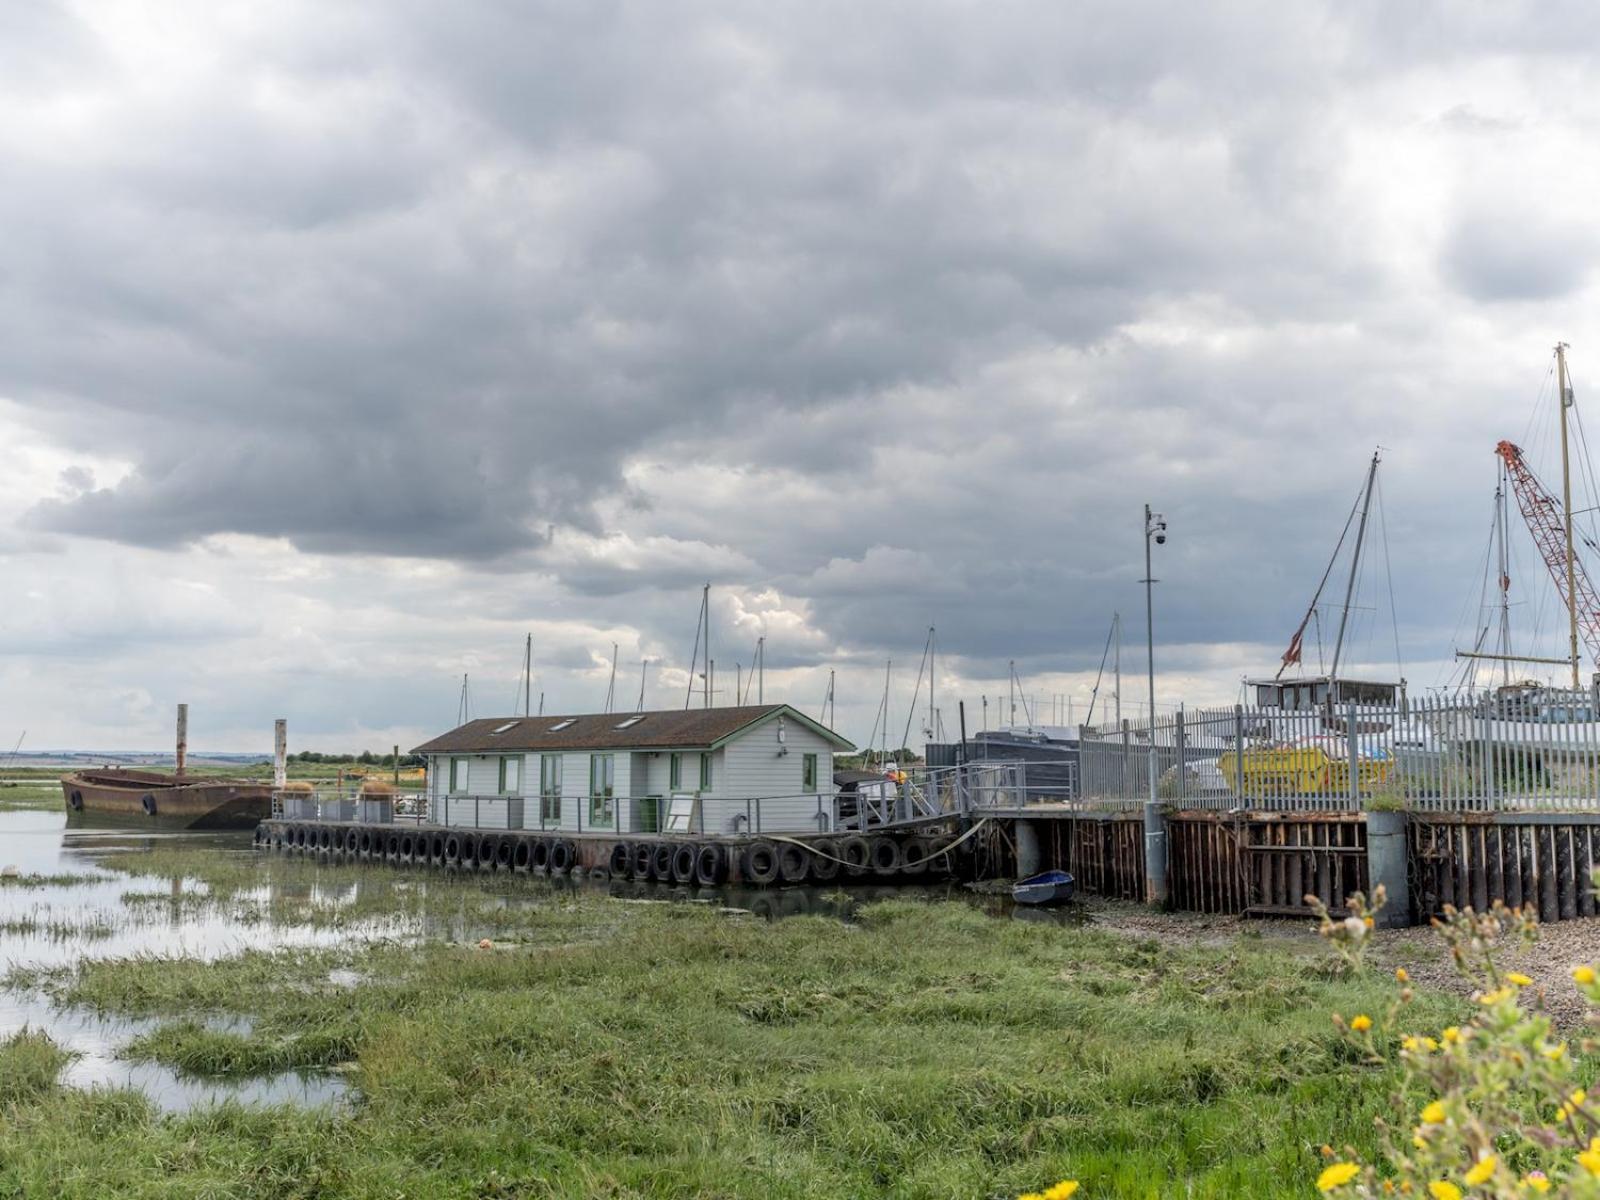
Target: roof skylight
631,721
506,726
560,725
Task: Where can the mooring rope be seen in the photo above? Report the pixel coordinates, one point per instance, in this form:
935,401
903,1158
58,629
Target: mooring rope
778,837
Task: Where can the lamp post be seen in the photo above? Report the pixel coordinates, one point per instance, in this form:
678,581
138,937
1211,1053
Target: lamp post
1155,829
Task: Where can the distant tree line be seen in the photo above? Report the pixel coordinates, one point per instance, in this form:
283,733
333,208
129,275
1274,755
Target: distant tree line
366,759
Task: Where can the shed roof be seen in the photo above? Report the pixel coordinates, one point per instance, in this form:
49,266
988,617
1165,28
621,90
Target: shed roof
670,729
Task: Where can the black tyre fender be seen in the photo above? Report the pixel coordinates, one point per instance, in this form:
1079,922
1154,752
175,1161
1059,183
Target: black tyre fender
561,857
758,863
452,849
883,855
914,856
392,847
661,862
75,800
857,855
684,857
541,854
621,861
469,851
365,848
505,853
794,863
408,845
710,866
643,855
522,855
823,866
352,841
324,839
148,804
436,848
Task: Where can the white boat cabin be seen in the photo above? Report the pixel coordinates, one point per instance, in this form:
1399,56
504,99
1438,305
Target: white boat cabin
766,768
1320,691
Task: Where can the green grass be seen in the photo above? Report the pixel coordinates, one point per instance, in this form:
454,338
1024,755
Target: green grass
607,1049
29,1065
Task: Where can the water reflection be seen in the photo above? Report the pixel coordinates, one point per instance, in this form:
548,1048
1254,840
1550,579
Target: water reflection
82,910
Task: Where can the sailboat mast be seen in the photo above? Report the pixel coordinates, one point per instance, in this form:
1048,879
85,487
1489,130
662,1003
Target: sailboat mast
1564,394
1116,624
1355,567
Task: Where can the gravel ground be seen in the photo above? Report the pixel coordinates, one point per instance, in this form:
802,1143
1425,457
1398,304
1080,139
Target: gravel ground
1561,946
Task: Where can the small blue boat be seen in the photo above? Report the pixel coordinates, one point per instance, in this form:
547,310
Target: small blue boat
1047,887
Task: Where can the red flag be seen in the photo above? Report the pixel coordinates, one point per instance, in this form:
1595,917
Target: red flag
1292,654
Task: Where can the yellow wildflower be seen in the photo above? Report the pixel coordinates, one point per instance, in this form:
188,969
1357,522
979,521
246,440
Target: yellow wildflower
1429,1044
1536,1181
1451,1035
1557,1052
1577,1097
1361,1022
1402,975
1062,1191
1518,978
1434,1113
1496,996
1584,975
1337,1176
1481,1171
1409,1043
1443,1189
1420,1142
1590,1162
1367,921
1031,1196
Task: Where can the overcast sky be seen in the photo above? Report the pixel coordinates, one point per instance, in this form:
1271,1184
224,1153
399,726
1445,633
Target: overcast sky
345,344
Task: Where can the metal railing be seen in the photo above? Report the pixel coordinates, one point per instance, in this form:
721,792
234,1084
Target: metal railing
1521,750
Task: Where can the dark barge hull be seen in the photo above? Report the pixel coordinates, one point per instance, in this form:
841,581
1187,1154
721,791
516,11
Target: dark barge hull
149,797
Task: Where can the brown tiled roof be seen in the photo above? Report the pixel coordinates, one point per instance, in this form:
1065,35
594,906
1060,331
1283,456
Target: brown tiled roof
689,728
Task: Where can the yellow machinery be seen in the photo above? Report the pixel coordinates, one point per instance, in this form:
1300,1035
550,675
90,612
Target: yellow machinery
1303,770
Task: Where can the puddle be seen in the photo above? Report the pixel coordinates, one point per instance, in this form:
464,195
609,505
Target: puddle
109,914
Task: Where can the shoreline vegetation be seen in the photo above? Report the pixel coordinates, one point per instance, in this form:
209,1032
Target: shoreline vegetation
603,1048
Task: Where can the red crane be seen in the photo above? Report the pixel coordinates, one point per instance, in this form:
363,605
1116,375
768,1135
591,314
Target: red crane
1547,523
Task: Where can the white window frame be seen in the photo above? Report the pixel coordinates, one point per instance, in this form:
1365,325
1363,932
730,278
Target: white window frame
550,788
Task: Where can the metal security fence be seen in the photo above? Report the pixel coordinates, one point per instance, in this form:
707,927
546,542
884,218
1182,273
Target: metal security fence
1519,750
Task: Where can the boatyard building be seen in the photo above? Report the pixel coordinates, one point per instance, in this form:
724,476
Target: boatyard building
712,770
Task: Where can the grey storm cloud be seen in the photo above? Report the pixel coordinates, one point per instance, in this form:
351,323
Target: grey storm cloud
947,289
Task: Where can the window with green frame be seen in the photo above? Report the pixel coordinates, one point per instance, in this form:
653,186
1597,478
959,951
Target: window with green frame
705,771
458,775
602,790
510,776
674,772
550,788
808,773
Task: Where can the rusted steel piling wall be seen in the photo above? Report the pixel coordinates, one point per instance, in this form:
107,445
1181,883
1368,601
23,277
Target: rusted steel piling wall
1537,861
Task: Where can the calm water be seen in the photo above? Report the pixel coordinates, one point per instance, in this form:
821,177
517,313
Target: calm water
113,915
58,926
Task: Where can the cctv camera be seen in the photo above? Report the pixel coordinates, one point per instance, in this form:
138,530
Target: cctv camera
1161,539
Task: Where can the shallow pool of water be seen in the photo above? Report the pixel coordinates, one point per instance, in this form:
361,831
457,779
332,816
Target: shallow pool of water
65,906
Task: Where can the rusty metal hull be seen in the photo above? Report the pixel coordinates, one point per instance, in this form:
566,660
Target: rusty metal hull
149,797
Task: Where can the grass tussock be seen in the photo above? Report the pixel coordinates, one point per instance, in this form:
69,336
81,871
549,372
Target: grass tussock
29,1066
606,1049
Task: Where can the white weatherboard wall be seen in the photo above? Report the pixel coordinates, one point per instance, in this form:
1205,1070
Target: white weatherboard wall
754,766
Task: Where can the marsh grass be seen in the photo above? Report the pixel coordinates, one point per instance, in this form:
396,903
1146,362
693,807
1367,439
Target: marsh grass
609,1049
29,1066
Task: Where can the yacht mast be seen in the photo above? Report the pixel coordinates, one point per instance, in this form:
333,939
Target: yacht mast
1564,394
1355,567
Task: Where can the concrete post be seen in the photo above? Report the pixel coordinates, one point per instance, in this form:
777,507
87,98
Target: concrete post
183,737
280,754
1386,864
1030,861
